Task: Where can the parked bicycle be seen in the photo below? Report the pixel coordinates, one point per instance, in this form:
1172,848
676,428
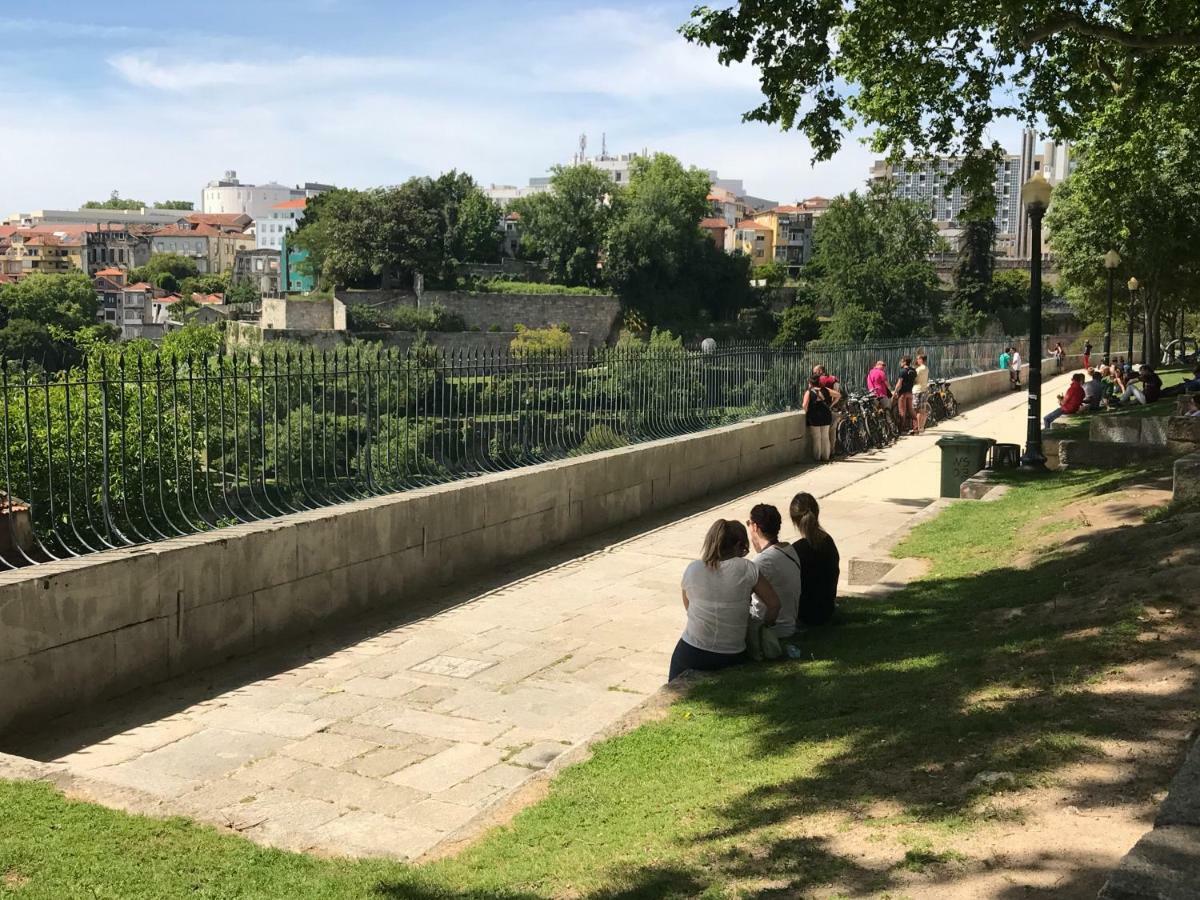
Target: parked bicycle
942,404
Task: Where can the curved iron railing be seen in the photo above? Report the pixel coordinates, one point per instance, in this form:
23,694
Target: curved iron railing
127,449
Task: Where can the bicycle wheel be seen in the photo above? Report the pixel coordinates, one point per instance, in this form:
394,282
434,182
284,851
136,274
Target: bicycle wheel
951,405
846,437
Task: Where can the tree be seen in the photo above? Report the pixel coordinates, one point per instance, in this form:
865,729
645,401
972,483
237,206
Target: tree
798,324
203,284
477,236
242,292
115,201
174,204
192,339
61,303
566,226
773,273
932,81
1136,190
976,262
871,265
23,340
179,267
540,341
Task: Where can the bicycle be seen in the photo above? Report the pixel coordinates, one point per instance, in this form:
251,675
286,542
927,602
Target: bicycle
850,435
941,402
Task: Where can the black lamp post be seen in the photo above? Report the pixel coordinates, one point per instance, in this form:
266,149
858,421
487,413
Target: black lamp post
1133,289
1112,259
1035,197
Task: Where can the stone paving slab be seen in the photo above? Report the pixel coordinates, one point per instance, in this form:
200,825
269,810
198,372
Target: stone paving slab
390,742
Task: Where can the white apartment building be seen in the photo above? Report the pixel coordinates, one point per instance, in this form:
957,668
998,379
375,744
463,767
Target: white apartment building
269,230
96,217
228,195
927,181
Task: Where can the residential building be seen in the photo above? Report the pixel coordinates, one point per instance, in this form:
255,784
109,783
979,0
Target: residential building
927,181
26,251
97,216
791,235
755,240
270,229
295,278
195,242
717,228
127,306
510,224
228,195
262,268
224,221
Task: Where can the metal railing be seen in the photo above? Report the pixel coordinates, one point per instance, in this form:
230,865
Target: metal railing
126,449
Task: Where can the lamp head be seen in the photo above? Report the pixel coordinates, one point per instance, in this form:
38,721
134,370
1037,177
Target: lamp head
1133,284
1112,259
1035,193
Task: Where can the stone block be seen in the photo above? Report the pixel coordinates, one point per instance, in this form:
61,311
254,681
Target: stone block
1186,478
1154,431
298,606
1183,430
43,684
80,598
1182,806
261,555
203,635
1115,429
1163,865
142,655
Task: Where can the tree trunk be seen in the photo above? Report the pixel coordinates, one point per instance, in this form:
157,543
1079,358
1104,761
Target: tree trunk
1152,304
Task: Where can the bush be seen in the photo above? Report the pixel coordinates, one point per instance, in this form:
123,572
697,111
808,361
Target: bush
494,329
540,340
797,325
599,437
403,318
496,286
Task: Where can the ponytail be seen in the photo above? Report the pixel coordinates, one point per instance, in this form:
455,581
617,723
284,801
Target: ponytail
806,516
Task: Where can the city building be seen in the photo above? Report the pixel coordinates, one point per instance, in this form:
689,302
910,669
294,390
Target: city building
228,195
717,228
270,228
97,217
755,240
28,251
195,242
127,306
295,278
262,268
510,224
792,231
927,181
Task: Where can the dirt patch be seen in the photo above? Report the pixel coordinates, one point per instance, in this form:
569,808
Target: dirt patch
1062,835
14,880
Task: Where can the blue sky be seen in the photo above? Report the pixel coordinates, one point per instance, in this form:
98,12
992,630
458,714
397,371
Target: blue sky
155,99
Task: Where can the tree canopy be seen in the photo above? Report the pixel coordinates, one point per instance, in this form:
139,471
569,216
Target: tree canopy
383,237
45,317
566,226
933,79
179,267
871,266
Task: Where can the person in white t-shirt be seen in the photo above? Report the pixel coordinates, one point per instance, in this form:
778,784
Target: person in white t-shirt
716,594
779,564
920,393
1014,370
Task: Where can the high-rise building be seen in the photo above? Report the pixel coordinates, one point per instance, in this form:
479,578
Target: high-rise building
227,195
927,181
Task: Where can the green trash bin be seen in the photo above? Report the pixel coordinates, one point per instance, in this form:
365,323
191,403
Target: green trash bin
962,457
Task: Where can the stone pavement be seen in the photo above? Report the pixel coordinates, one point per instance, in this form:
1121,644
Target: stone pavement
388,737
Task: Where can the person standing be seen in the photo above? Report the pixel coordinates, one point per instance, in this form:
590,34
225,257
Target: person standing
1087,354
1005,358
903,396
1014,369
877,384
716,590
1059,355
920,393
818,416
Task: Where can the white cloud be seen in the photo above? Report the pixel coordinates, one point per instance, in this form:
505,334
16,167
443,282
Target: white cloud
157,70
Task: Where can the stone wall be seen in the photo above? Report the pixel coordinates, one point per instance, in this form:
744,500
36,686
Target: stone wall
597,316
75,631
302,315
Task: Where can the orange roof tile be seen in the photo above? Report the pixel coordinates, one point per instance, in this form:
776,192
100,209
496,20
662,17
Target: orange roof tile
714,222
750,223
111,271
298,203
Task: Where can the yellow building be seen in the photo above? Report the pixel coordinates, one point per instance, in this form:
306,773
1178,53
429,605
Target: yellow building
28,252
755,240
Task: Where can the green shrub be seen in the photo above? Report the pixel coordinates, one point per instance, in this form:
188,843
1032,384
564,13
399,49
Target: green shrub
495,329
496,286
403,318
599,437
540,340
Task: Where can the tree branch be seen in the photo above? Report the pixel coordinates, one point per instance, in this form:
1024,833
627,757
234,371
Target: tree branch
1111,33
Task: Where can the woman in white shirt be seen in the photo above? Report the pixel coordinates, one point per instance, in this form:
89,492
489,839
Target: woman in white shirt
716,594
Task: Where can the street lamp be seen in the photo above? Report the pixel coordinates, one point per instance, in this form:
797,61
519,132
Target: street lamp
1133,289
1112,259
1035,197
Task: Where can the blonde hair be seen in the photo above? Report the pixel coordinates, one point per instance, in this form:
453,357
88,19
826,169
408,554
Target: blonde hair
806,516
726,539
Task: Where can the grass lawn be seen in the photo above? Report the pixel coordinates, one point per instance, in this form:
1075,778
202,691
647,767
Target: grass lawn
881,732
1078,425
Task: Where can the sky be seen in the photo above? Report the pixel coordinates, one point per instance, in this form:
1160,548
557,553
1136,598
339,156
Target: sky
156,99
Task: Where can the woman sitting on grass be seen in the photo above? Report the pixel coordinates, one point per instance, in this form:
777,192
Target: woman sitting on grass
820,564
716,594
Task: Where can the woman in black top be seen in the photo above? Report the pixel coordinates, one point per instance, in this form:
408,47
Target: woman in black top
820,564
818,415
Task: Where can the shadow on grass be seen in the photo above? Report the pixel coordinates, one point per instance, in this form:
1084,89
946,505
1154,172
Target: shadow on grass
923,705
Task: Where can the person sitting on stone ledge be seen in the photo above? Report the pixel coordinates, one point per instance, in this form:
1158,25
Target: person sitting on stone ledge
1069,402
779,564
820,563
1094,391
1195,407
1149,390
1185,387
716,594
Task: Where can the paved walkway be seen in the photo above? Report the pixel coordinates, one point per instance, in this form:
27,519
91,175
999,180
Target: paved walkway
388,738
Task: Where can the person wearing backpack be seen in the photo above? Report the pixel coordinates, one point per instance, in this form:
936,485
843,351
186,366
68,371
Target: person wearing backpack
818,416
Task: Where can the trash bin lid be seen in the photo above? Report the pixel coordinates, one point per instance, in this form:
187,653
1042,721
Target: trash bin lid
964,440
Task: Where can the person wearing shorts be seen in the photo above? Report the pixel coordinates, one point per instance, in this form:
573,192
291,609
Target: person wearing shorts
920,394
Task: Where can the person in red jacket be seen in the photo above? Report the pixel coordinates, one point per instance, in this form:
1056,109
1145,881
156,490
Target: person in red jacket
1069,402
